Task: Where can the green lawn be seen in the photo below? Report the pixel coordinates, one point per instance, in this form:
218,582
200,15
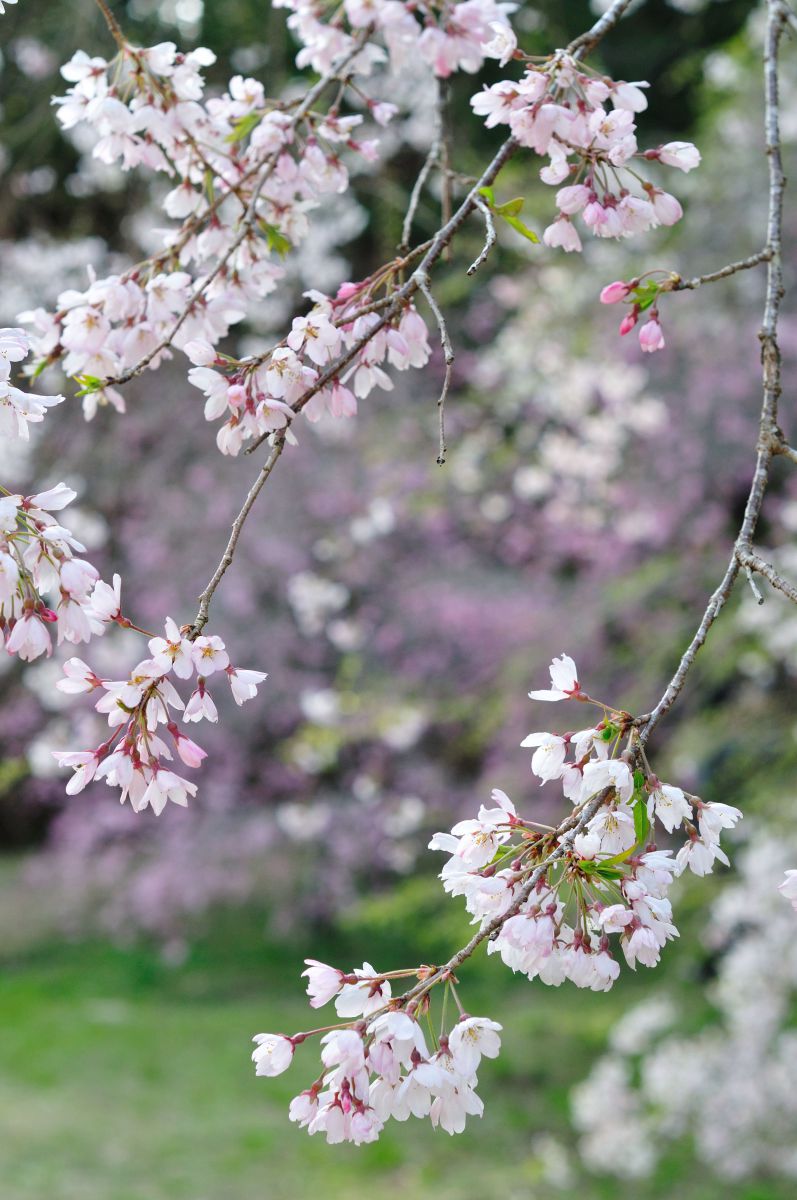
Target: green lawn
124,1079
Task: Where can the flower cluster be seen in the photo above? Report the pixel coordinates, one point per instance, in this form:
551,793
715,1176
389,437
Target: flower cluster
18,409
547,900
558,109
132,756
447,37
261,395
380,1064
608,880
43,584
245,175
641,295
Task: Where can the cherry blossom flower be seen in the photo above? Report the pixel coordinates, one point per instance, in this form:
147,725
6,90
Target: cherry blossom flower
670,806
471,1038
366,996
273,1054
323,982
564,681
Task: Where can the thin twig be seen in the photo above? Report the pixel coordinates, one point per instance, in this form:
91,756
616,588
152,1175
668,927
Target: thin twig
744,264
754,588
415,195
753,562
784,449
201,618
444,134
490,236
448,355
585,43
114,27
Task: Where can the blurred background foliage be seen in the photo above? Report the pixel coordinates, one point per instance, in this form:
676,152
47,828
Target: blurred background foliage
403,613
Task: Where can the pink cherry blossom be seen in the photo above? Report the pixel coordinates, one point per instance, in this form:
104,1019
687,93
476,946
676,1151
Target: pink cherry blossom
651,337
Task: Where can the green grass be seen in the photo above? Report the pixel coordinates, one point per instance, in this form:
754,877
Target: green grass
124,1079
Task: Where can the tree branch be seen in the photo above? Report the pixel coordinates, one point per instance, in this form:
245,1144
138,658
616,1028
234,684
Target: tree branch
400,299
768,432
743,264
569,829
201,618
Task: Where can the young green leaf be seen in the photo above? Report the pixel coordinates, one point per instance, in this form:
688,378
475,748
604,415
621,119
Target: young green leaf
276,240
641,822
243,127
521,228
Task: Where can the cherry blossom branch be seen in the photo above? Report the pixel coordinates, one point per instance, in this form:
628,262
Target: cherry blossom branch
769,436
263,170
744,264
201,618
400,298
568,831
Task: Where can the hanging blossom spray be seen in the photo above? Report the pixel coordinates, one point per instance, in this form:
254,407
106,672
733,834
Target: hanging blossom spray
556,904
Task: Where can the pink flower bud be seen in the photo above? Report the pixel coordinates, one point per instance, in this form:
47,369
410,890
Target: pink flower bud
613,293
200,352
665,206
628,322
651,337
190,753
572,199
682,155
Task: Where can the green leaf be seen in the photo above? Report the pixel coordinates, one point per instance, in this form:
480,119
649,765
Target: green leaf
276,240
608,872
509,211
510,208
521,228
88,384
209,190
243,127
639,779
641,821
646,295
